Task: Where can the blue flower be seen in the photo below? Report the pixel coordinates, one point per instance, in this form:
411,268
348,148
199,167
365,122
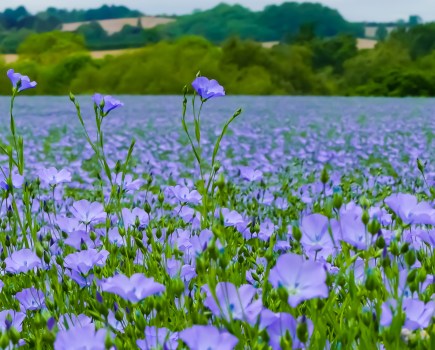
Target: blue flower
207,88
20,82
106,103
208,337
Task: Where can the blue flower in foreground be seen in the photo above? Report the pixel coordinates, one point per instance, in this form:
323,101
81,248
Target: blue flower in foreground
82,262
207,88
81,338
88,212
418,314
106,103
316,239
233,303
283,325
22,261
156,338
208,337
52,177
30,299
17,181
20,82
183,195
67,321
133,289
11,318
302,279
407,207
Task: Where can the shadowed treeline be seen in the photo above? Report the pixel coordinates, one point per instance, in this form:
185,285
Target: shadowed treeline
306,64
274,23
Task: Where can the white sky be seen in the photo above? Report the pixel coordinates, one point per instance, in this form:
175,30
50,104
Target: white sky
354,10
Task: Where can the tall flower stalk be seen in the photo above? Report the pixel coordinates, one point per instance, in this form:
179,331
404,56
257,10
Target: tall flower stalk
15,153
205,89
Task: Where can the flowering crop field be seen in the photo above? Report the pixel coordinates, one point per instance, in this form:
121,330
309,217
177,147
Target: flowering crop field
185,223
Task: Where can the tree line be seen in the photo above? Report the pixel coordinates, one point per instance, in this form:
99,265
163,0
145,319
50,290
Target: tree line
403,64
274,23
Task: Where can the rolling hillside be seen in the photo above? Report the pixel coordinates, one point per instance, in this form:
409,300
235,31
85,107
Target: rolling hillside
112,26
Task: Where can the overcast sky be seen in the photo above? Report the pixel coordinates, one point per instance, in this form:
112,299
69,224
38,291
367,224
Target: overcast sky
354,10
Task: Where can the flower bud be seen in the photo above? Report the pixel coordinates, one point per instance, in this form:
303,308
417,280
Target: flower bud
421,275
420,165
161,197
394,248
216,166
324,176
372,281
365,217
147,207
410,257
39,250
118,167
302,330
4,341
286,341
59,260
220,182
255,277
374,227
380,242
411,276
93,236
158,233
119,315
121,231
46,258
283,295
337,201
14,335
365,202
297,234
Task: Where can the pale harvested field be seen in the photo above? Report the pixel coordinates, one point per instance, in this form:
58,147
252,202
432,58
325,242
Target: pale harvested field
11,58
362,44
269,44
366,44
115,25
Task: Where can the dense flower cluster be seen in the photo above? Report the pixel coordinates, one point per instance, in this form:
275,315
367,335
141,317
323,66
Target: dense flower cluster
289,240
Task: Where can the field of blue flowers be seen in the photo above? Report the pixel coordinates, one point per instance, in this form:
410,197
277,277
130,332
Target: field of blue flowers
303,233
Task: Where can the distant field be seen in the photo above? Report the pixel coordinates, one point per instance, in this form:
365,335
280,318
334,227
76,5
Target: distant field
269,44
366,44
115,25
361,44
11,58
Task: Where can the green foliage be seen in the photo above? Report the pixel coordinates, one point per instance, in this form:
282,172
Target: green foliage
104,12
334,52
368,65
401,65
290,16
16,25
10,41
51,47
274,23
